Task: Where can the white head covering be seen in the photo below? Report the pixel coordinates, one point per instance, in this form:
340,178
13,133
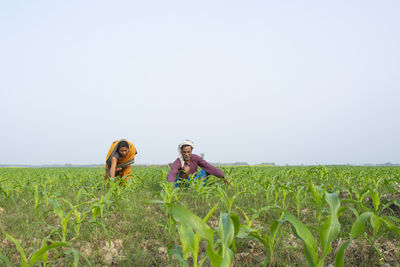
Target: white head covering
186,142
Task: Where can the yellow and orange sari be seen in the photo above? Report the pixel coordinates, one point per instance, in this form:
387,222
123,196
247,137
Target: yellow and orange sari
124,162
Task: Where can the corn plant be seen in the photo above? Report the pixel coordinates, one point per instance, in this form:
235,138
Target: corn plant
190,241
226,200
284,191
193,229
65,216
267,240
36,196
370,193
40,255
100,205
317,193
356,230
297,197
169,196
377,220
328,231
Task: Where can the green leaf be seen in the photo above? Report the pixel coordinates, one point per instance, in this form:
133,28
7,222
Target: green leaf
45,256
185,216
24,261
178,255
64,224
339,260
38,255
273,229
331,227
376,223
236,221
391,226
355,212
248,222
195,251
202,261
313,190
186,235
5,260
76,256
359,225
57,209
375,198
215,259
210,213
228,258
302,232
226,229
363,195
244,231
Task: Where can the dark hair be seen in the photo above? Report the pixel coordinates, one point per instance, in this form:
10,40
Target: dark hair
186,146
123,144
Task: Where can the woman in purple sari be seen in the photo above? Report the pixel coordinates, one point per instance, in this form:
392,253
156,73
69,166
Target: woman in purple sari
187,163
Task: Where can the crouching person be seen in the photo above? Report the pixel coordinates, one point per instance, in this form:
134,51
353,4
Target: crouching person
119,159
187,163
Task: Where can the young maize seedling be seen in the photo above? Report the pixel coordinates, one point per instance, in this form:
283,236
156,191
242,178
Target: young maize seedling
328,231
40,255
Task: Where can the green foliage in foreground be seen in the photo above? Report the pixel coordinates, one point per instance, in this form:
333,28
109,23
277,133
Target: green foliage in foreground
280,216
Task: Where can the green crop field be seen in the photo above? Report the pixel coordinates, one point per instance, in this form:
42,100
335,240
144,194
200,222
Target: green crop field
267,216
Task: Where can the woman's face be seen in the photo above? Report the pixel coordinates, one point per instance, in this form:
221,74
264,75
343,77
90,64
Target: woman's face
123,151
186,152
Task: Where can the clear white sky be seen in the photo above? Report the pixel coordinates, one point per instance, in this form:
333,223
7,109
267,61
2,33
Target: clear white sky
297,82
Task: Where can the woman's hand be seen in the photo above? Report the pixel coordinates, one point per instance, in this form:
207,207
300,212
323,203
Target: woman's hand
113,168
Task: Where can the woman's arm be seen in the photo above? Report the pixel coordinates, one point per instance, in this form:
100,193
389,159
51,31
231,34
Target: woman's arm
113,167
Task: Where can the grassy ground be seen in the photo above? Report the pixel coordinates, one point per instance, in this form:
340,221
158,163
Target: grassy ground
119,226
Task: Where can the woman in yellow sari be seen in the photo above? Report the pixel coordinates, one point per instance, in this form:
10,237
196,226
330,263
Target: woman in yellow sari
119,159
